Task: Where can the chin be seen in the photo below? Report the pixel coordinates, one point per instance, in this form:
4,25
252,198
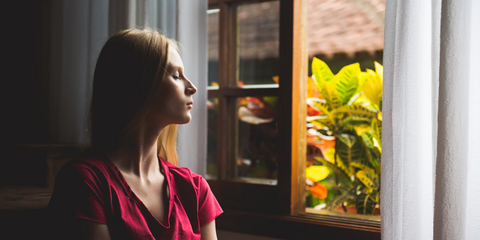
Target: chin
186,120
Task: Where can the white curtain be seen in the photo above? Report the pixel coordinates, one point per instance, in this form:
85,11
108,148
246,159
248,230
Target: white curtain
431,116
78,29
192,35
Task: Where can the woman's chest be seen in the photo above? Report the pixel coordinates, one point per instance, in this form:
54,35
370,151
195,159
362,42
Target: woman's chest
154,197
147,213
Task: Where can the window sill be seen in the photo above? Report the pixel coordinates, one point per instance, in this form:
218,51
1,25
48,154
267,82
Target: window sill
304,226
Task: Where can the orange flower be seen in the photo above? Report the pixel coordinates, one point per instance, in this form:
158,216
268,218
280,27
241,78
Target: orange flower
319,191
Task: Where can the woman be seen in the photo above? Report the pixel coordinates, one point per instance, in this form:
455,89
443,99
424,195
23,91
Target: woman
131,188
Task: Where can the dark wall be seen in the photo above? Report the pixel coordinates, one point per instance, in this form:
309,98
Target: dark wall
25,92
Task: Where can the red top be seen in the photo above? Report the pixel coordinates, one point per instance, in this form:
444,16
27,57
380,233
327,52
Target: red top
95,190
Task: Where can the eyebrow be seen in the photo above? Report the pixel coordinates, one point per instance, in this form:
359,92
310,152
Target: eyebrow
174,67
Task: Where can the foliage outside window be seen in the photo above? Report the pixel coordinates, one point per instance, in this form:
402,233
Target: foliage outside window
344,137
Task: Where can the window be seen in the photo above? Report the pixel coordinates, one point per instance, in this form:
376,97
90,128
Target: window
257,128
344,138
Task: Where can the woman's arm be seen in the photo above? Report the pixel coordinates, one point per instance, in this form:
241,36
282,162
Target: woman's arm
208,231
93,231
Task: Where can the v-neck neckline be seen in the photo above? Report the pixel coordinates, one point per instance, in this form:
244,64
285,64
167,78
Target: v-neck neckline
137,200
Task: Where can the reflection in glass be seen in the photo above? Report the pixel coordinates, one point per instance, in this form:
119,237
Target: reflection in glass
212,114
213,38
256,146
257,44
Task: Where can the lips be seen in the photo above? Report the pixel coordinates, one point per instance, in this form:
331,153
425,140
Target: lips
190,104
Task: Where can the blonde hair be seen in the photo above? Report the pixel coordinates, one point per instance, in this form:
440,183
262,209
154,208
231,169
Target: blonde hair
128,74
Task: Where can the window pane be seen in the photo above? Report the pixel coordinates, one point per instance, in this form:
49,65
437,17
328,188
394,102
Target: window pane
255,148
212,113
344,116
213,38
257,44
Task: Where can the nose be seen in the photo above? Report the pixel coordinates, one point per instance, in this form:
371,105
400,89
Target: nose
190,89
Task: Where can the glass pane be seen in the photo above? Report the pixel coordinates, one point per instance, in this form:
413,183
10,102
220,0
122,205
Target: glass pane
213,38
212,114
257,45
256,141
343,150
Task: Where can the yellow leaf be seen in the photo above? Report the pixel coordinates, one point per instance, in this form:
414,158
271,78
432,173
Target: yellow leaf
317,173
372,86
379,70
377,145
330,155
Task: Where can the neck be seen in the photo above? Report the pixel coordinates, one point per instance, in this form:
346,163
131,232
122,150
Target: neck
137,152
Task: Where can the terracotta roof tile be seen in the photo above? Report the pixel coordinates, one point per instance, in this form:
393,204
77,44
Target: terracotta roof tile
334,26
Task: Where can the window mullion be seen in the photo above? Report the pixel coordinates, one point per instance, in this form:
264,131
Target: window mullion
223,64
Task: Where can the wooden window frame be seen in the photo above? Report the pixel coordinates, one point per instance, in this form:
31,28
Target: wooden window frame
274,211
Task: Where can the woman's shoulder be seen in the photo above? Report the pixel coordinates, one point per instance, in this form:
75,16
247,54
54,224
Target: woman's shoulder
184,174
91,169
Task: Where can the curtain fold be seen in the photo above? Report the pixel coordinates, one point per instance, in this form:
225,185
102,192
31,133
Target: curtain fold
192,35
430,127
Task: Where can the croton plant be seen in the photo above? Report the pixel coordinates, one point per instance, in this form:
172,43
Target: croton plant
344,138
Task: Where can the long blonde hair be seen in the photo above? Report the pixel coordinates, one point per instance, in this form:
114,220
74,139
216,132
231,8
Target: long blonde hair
128,74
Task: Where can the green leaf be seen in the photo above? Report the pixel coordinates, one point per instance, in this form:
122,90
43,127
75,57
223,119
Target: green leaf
346,82
335,202
363,101
364,167
336,169
351,122
343,189
321,72
367,138
333,158
366,202
372,174
321,106
349,149
347,139
321,122
377,129
318,104
368,178
331,96
355,110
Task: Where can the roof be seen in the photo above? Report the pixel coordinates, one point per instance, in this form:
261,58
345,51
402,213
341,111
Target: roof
334,26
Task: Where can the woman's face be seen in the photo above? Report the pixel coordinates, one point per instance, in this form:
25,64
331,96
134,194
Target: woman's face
175,96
